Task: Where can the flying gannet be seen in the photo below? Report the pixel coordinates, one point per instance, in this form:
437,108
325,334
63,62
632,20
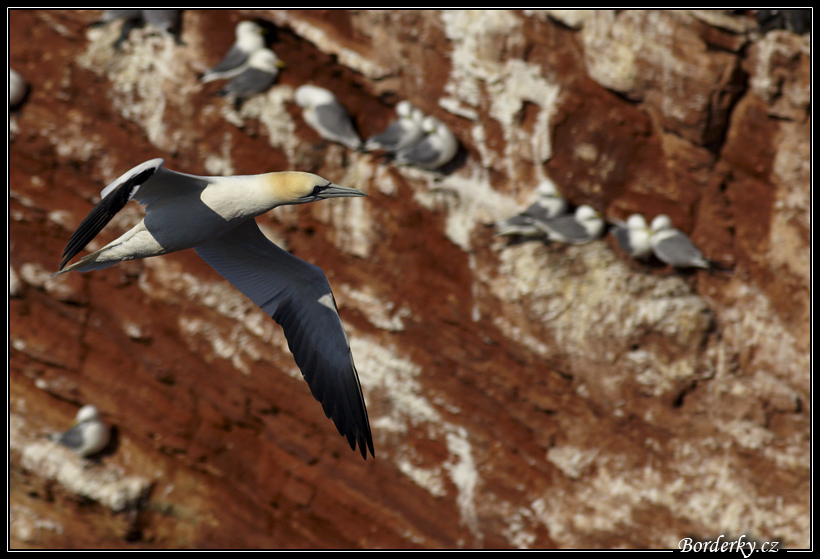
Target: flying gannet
215,216
88,436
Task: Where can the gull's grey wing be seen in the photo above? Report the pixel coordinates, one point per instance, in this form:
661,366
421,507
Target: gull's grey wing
73,438
250,81
678,250
233,59
538,211
114,197
297,295
621,234
390,136
420,153
335,118
563,228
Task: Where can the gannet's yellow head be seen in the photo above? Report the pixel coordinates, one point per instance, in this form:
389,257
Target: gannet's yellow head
295,187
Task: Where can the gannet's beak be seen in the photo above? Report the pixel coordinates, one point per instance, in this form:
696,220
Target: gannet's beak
338,191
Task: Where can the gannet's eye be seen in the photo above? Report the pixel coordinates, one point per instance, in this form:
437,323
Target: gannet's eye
319,188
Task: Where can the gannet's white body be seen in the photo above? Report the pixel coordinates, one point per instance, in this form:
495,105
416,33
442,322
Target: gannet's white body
214,215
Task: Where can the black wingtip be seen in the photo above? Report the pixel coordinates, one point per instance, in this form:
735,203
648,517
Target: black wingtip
365,442
107,208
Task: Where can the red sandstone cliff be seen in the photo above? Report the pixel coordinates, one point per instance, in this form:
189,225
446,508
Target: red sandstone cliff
521,396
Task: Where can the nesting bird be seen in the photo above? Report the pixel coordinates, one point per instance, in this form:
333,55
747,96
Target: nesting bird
88,436
671,246
168,21
633,237
582,227
18,89
258,76
435,149
548,205
327,116
402,132
250,37
215,216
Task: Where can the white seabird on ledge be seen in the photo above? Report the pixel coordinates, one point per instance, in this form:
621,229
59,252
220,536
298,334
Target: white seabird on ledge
88,436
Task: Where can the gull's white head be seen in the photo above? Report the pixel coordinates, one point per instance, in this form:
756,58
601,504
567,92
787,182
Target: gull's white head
266,60
636,222
295,187
250,36
586,213
661,223
404,109
87,413
312,96
547,189
430,124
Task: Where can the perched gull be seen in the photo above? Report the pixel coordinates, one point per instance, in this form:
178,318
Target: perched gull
549,204
215,216
260,73
323,112
250,37
435,149
674,248
403,132
583,226
168,21
633,236
18,89
131,20
88,436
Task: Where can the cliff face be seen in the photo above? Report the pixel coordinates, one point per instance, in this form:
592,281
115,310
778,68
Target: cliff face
521,395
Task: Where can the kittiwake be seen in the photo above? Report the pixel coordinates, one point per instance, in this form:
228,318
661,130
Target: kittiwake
633,236
259,75
250,37
168,21
327,116
435,149
88,436
671,246
18,89
215,216
548,205
581,227
402,132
